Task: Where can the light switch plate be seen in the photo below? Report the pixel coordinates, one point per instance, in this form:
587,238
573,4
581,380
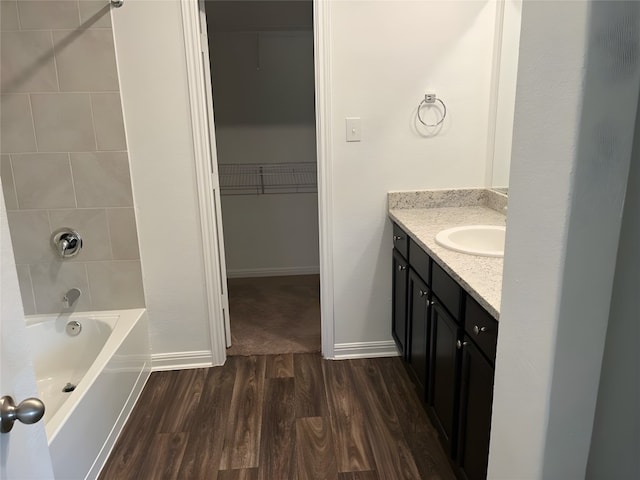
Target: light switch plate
354,129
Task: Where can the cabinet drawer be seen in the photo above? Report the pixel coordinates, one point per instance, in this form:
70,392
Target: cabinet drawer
400,241
446,289
420,261
481,327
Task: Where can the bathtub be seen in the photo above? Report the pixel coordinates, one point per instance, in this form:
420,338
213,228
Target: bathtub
105,366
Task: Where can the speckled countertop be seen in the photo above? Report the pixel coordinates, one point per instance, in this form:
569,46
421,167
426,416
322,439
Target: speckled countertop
423,214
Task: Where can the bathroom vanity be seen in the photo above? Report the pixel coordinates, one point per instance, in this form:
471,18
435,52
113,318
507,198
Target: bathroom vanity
445,312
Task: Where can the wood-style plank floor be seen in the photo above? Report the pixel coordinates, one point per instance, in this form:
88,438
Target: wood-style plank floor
280,417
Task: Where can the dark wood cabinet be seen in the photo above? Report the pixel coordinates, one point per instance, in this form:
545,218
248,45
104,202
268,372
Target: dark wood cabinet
476,397
447,290
481,327
444,380
401,241
448,342
399,309
419,338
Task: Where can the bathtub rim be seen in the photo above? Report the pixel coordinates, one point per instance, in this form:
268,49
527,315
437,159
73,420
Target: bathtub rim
126,321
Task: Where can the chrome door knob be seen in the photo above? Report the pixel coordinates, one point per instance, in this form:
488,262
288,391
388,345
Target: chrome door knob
29,411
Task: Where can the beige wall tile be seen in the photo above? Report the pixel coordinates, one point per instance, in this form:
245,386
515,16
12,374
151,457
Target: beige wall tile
123,232
115,285
43,180
86,60
95,14
30,236
42,15
16,124
107,118
91,224
51,281
27,62
102,179
63,122
8,187
26,289
8,15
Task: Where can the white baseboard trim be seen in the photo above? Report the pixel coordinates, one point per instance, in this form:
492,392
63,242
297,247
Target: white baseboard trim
386,348
271,272
181,360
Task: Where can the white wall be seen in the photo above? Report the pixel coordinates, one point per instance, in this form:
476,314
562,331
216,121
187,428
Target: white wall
266,143
615,442
270,234
567,185
262,78
384,57
151,63
263,87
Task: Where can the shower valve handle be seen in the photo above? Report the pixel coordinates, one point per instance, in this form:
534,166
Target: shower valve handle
66,242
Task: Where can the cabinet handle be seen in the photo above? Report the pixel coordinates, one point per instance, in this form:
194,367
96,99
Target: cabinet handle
401,268
460,344
478,330
422,293
397,237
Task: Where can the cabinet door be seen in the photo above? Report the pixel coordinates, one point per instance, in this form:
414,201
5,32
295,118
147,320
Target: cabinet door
418,346
443,383
476,395
399,309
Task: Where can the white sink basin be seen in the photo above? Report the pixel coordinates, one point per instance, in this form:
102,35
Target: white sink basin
483,240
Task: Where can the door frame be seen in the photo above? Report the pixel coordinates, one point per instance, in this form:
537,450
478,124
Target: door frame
208,182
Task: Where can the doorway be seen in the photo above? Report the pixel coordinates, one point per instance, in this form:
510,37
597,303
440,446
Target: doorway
262,76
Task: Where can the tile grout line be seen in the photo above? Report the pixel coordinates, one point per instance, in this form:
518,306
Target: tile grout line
59,151
86,273
93,120
18,17
13,179
78,12
55,60
33,123
106,213
73,181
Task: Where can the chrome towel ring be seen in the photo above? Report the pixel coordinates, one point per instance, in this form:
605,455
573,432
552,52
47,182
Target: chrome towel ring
430,99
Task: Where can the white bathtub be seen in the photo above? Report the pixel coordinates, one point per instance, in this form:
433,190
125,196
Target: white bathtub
108,362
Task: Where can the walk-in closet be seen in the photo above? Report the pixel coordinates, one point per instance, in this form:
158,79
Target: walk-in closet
262,75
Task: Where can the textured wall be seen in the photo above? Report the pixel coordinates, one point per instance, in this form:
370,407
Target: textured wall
567,187
617,416
64,155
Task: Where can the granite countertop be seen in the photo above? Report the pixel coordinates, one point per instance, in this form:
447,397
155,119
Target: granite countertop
423,214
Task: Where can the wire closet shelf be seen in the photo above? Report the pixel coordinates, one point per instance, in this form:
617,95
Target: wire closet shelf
267,178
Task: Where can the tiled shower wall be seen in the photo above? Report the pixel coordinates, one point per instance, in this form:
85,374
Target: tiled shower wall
64,155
